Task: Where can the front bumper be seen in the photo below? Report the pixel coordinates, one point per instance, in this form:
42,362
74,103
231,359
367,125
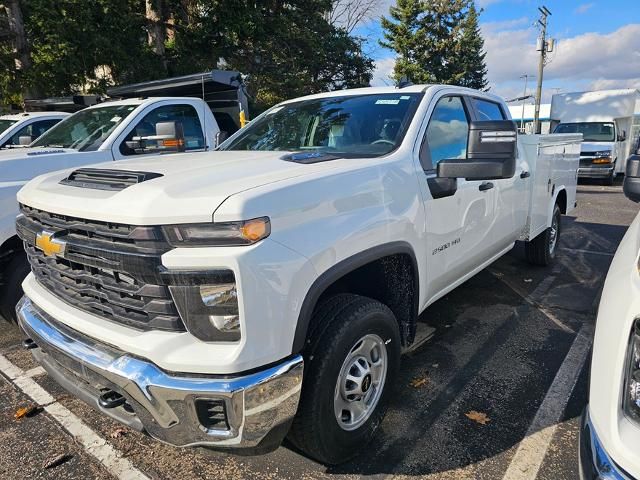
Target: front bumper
595,462
596,172
258,407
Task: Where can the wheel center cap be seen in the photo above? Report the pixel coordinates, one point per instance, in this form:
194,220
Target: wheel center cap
366,383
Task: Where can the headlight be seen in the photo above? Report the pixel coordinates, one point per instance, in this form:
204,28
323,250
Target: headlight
631,396
208,305
601,157
244,232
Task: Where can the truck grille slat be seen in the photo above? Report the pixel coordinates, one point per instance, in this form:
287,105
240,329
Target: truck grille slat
103,270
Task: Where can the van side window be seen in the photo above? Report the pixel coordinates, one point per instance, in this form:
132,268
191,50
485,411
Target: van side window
487,110
447,133
185,115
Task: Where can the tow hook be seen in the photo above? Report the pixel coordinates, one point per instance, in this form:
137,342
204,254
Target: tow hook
111,399
29,344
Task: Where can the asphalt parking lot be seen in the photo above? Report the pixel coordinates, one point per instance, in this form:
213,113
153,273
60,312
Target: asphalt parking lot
496,393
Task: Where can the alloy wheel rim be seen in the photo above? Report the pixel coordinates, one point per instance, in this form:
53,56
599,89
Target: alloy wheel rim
553,234
360,382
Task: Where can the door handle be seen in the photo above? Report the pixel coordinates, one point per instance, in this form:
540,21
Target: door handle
485,186
525,174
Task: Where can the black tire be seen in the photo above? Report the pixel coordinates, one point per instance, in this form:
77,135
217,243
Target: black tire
341,320
542,249
14,272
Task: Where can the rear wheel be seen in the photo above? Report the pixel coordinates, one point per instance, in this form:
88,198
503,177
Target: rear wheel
542,249
350,366
14,272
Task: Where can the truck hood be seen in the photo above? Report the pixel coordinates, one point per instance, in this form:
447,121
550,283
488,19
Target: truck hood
23,164
191,187
596,147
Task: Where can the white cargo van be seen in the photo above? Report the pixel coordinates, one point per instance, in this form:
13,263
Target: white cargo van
608,119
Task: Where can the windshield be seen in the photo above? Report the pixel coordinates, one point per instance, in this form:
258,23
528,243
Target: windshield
591,131
4,124
350,126
85,130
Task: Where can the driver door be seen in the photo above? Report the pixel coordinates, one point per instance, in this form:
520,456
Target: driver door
458,227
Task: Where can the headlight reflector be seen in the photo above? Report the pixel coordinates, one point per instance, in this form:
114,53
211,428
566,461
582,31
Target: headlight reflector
244,232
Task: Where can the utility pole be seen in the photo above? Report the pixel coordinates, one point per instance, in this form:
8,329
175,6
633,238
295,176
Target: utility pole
543,48
524,99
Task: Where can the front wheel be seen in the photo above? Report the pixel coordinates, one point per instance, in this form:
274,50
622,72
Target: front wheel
15,271
349,373
542,249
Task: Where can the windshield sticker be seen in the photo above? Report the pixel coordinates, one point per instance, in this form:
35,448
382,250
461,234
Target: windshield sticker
405,97
115,119
387,102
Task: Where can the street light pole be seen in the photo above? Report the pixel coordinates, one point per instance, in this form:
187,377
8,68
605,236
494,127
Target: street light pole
542,47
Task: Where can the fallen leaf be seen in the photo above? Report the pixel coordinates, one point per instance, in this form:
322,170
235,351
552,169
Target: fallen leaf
478,417
29,411
119,432
57,460
418,382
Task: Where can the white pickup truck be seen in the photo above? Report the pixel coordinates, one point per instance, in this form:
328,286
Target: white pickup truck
268,288
20,129
117,130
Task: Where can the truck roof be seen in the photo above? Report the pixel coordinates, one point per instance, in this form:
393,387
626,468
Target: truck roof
139,101
388,90
24,115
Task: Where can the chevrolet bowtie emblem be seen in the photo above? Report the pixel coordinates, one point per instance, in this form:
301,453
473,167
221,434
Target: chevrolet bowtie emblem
49,245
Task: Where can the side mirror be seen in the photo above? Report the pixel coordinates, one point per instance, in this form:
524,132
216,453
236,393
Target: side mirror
491,153
623,136
25,140
169,137
221,136
631,185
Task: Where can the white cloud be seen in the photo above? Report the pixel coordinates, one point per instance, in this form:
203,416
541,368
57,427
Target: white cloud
383,71
586,61
584,8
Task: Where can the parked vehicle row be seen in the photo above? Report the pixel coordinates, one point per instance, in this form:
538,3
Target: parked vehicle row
230,298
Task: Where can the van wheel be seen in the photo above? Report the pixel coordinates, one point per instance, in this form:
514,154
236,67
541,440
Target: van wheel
610,179
350,367
15,271
542,249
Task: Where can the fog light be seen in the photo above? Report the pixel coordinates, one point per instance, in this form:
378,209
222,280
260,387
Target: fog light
210,312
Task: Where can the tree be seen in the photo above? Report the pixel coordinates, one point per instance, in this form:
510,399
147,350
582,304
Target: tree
437,41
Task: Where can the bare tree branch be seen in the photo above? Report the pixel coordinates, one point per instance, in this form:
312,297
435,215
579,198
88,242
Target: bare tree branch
348,14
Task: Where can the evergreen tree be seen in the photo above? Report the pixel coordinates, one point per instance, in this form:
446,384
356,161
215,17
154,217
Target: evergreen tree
437,41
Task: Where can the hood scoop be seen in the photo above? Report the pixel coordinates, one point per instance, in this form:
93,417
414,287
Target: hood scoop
106,179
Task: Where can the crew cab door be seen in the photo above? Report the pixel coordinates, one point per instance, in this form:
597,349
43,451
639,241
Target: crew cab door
458,227
148,134
511,194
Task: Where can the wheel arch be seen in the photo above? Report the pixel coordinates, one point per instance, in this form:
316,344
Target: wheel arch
397,256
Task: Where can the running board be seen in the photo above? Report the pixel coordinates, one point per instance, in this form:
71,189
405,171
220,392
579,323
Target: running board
423,334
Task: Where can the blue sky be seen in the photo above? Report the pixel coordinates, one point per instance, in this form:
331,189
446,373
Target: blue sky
598,44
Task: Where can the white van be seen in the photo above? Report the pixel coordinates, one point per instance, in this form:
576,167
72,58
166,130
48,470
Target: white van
609,121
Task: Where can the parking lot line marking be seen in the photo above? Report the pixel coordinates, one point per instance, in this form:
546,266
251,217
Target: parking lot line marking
92,443
588,252
531,298
34,372
533,448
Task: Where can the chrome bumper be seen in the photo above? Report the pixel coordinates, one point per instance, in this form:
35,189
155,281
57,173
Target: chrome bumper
595,172
595,462
258,406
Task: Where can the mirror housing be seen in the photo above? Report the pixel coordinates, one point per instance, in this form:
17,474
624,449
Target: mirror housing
491,153
25,140
622,136
631,185
169,137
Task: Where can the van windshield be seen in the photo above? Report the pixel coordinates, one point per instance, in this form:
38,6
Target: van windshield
4,124
347,126
591,131
85,130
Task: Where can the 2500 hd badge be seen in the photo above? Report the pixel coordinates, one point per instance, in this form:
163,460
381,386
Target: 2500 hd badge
444,246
